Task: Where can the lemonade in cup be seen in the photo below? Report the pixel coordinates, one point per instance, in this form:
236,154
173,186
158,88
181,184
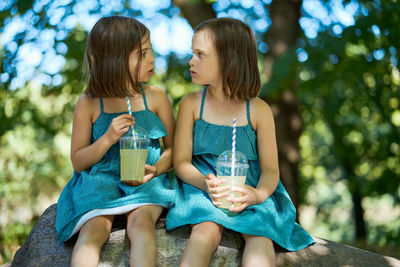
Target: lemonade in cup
133,153
234,171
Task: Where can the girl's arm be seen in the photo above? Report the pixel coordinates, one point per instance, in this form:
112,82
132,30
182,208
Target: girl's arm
183,147
267,151
83,153
163,109
263,122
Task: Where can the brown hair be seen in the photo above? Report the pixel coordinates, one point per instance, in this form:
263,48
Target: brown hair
237,55
109,45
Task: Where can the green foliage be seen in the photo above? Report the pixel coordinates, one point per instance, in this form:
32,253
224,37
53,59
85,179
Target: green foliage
350,102
34,162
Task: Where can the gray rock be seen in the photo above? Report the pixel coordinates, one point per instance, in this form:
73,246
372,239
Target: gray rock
42,248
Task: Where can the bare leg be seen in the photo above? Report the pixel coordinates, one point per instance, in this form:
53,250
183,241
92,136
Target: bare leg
94,233
258,251
203,241
141,232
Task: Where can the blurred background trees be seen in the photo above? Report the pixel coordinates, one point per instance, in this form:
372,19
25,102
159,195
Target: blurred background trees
329,71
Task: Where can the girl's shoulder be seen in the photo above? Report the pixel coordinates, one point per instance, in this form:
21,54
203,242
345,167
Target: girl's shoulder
87,107
155,97
87,103
260,111
192,99
259,105
153,93
150,90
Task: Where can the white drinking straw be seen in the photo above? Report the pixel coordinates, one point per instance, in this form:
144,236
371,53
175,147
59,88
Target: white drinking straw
233,155
233,146
128,102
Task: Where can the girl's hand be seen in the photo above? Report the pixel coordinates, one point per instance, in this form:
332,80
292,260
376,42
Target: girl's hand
247,199
214,189
149,173
119,126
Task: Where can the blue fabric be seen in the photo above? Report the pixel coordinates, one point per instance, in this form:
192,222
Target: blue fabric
100,187
274,218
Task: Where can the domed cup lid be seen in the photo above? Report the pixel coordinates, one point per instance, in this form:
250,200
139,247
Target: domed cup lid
136,132
226,159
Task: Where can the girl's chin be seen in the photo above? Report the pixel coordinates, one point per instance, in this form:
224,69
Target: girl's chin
196,81
145,80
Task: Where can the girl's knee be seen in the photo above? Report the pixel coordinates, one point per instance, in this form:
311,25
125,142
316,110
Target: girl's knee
142,221
258,239
207,232
96,231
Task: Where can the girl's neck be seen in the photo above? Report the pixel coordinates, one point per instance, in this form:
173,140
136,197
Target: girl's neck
217,92
133,92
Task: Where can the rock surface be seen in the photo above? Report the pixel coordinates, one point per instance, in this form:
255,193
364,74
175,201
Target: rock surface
42,248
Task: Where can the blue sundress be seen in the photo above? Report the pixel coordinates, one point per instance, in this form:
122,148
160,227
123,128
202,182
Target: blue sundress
99,190
274,218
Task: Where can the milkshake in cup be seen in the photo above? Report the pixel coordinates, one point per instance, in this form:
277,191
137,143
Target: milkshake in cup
233,170
133,147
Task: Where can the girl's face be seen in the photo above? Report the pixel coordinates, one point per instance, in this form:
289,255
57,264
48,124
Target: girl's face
146,68
204,65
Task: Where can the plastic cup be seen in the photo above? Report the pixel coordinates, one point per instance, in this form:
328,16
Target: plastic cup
133,148
235,176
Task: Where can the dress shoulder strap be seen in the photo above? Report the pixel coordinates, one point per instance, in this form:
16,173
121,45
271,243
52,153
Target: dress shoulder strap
248,110
101,104
202,102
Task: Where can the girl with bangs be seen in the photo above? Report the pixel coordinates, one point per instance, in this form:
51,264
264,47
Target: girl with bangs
225,62
119,58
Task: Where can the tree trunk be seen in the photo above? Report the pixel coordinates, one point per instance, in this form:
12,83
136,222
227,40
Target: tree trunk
281,37
358,211
361,232
195,12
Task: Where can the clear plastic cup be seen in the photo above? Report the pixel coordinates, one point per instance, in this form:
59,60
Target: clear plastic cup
133,148
234,172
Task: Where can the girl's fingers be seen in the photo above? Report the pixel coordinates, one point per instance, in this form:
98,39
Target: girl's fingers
219,195
216,203
125,116
238,209
124,124
237,199
216,182
220,181
219,189
149,168
123,121
147,178
239,189
211,184
120,120
132,182
210,176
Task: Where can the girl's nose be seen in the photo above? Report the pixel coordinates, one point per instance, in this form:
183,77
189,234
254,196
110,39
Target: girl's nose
191,64
151,58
